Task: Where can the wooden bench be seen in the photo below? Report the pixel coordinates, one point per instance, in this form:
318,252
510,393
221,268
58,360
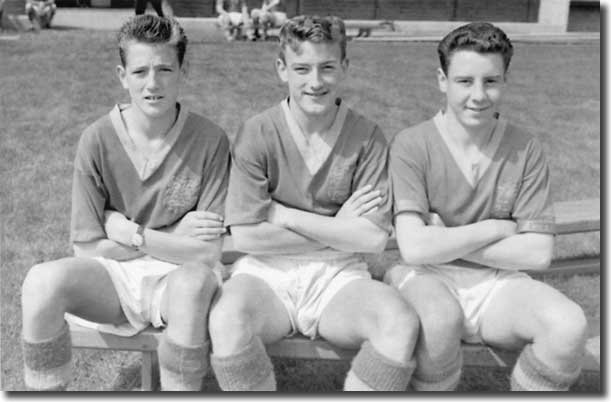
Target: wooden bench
571,217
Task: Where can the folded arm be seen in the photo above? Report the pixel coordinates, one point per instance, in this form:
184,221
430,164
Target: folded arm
532,251
105,248
186,241
268,238
420,243
348,230
352,234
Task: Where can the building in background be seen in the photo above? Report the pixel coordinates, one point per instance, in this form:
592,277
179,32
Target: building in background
544,15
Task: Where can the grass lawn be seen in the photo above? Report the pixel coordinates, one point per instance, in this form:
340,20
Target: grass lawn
54,84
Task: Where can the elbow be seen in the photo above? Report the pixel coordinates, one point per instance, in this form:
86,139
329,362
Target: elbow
376,243
540,253
413,253
540,260
81,250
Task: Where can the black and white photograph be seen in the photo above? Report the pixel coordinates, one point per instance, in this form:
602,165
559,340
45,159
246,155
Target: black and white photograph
302,196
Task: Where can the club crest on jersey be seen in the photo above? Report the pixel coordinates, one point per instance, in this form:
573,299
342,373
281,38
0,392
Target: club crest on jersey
504,198
182,192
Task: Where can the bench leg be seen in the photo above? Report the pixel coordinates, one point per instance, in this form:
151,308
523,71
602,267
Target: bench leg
149,372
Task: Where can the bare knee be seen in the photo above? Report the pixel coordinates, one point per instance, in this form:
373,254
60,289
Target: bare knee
194,282
43,288
441,318
564,328
230,324
397,324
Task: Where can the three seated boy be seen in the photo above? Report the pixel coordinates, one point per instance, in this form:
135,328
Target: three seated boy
312,184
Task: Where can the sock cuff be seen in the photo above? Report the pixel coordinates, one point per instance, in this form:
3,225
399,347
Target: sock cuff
530,373
48,354
244,370
379,372
179,358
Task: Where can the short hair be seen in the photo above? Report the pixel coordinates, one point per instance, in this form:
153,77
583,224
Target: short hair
148,28
312,28
481,37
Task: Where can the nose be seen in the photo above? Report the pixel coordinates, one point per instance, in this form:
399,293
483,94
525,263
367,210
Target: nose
316,79
152,80
478,91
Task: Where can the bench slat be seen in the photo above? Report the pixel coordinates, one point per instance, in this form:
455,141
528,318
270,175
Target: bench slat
297,347
577,216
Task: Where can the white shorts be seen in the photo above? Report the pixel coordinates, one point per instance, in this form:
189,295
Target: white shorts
304,283
473,288
140,285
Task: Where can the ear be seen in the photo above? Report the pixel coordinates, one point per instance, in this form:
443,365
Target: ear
184,69
282,70
122,74
442,80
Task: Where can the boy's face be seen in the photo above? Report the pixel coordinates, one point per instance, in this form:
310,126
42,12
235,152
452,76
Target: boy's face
473,86
152,77
313,76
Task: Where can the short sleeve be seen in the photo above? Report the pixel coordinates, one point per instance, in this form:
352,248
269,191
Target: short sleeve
216,178
533,210
248,197
372,168
407,174
89,195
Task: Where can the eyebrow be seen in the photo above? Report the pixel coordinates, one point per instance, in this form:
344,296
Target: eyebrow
315,64
471,76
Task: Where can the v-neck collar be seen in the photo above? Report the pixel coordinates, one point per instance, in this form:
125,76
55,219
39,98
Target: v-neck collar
472,175
316,148
146,165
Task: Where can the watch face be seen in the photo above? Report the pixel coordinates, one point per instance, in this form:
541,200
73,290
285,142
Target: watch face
137,240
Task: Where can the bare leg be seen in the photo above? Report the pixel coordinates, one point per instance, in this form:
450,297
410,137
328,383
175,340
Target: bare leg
80,286
531,313
76,285
246,315
183,351
382,324
441,320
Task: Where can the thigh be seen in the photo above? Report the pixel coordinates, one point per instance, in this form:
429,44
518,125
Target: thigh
92,292
253,298
80,286
431,297
353,315
516,312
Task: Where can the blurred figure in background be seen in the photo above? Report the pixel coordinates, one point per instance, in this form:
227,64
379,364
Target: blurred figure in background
233,19
272,14
39,12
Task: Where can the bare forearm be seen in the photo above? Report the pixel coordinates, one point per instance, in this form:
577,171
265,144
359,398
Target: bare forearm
530,251
352,234
106,248
179,249
267,238
438,245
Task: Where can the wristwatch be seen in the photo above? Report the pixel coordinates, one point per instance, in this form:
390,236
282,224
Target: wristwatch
138,238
